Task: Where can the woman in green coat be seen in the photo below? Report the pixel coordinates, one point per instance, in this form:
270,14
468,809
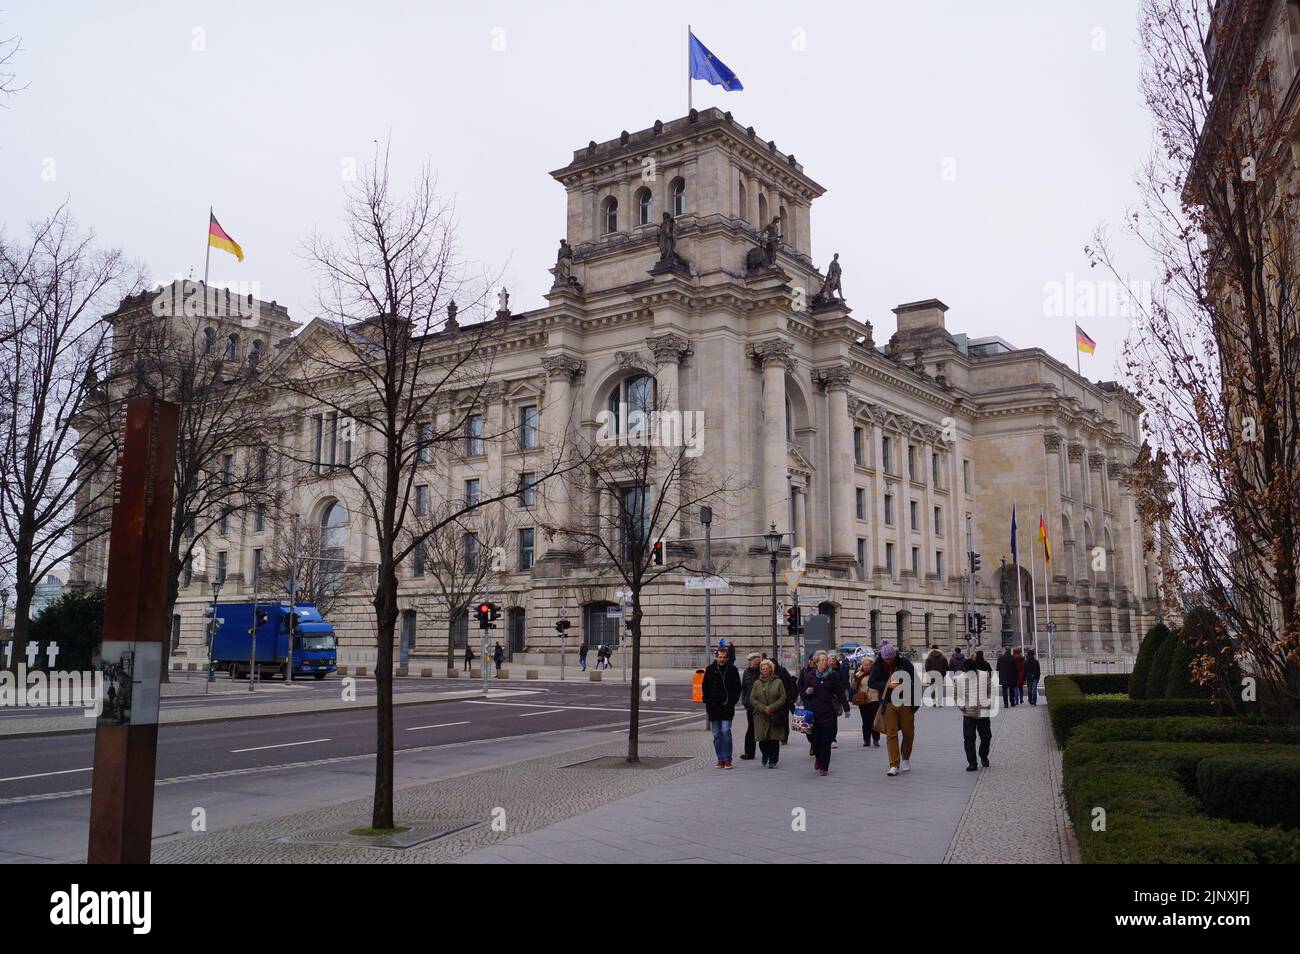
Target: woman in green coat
771,720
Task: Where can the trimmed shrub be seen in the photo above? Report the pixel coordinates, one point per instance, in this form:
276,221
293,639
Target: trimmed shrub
1102,683
1069,712
1158,677
1137,684
1185,729
1150,817
1264,791
74,620
1180,684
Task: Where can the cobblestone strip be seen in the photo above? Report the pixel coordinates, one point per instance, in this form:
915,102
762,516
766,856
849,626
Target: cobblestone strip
1015,814
525,796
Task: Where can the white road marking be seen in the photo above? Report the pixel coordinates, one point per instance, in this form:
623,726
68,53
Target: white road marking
282,745
525,715
440,725
19,778
533,705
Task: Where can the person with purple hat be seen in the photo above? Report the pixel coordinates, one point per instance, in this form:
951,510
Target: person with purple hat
900,694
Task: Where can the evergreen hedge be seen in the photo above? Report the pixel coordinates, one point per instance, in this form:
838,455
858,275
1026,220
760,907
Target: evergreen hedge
1137,685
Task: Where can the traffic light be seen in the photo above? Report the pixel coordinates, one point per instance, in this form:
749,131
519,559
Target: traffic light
974,563
657,553
980,622
484,614
261,617
495,613
970,622
793,625
562,627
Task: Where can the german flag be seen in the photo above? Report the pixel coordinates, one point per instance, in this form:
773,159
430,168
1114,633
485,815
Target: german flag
1085,344
1042,536
217,238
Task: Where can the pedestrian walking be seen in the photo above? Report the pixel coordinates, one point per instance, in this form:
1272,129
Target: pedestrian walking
823,693
1007,677
1033,672
868,702
469,657
894,677
498,656
770,712
973,695
935,662
582,656
1019,660
721,689
747,680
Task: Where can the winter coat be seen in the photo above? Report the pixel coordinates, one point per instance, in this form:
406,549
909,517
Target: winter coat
721,692
1033,668
880,681
936,663
747,680
769,692
1006,670
956,663
582,651
973,692
791,687
824,696
1020,669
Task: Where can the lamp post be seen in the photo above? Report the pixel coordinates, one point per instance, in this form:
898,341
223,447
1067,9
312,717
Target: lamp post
773,540
212,632
706,518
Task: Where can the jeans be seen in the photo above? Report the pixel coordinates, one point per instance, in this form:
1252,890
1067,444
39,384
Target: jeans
1032,683
969,726
722,740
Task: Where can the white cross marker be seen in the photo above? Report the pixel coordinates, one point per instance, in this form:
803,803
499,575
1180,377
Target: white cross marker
32,650
51,654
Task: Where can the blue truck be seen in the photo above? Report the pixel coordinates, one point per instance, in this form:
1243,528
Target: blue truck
315,652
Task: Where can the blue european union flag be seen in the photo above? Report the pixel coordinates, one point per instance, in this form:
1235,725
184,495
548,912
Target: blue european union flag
706,66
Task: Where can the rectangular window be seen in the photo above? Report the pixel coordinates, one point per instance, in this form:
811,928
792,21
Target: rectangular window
318,440
331,438
860,496
424,438
471,552
474,435
634,521
259,518
422,500
526,549
862,552
187,571
886,457
528,427
325,439
914,515
528,489
934,470
889,510
938,563
257,564
419,559
916,561
968,478
858,457
889,558
263,463
911,462
472,494
346,433
223,522
938,521
227,468
221,566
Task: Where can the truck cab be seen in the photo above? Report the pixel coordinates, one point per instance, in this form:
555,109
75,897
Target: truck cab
315,651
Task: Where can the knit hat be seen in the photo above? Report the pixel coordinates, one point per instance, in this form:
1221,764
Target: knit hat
888,651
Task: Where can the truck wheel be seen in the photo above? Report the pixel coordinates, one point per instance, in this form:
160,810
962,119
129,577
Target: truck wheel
320,676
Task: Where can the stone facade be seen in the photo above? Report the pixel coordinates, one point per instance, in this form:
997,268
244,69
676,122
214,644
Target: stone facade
871,456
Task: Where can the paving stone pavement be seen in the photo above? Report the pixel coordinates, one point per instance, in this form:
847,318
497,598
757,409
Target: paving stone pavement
1017,813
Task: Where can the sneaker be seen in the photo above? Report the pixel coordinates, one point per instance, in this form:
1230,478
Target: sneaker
727,764
822,772
718,764
907,766
765,760
771,765
746,758
893,770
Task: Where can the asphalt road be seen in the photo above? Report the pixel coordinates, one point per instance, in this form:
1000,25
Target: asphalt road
55,764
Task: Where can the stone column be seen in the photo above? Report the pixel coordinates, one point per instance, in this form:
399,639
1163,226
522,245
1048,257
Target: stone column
776,361
801,517
557,434
669,350
836,383
878,487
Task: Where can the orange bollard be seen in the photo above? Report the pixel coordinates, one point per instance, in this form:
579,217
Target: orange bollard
697,686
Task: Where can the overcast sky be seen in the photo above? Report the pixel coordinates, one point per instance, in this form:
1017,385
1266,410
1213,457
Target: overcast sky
968,150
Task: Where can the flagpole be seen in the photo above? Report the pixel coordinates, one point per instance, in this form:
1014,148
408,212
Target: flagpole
1033,592
207,260
1047,567
1078,361
690,103
1020,609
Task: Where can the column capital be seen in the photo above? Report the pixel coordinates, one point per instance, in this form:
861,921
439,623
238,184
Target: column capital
1076,452
563,367
855,405
1052,442
668,348
1095,460
834,378
773,353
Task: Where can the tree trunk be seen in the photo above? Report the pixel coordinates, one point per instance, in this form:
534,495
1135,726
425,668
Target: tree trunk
634,707
385,627
24,590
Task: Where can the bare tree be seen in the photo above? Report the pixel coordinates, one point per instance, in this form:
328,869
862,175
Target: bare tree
461,557
1216,359
55,426
320,580
10,47
385,359
644,474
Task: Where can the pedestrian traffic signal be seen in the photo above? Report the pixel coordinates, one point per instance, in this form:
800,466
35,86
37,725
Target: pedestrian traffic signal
562,627
980,623
974,563
495,611
657,553
487,612
793,625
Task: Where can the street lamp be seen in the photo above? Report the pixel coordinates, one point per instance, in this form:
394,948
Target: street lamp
212,631
773,540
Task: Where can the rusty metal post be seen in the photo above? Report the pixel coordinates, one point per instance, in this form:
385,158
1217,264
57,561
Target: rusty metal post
135,637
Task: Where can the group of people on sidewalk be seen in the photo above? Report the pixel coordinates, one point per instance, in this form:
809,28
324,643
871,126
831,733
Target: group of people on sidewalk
885,690
603,653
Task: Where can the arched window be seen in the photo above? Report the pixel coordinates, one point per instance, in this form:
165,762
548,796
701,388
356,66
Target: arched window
209,336
786,237
744,203
679,196
643,210
630,404
762,210
255,353
610,214
789,420
333,542
232,347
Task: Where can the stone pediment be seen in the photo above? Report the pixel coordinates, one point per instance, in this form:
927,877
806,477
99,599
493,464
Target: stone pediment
797,462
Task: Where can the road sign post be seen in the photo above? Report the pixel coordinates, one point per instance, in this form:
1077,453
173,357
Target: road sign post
134,636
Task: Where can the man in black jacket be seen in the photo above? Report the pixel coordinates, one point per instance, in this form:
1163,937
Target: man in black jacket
747,683
721,690
1033,672
1007,677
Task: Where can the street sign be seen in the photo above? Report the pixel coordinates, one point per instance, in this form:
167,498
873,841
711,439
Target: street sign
564,612
613,612
706,583
792,578
810,599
